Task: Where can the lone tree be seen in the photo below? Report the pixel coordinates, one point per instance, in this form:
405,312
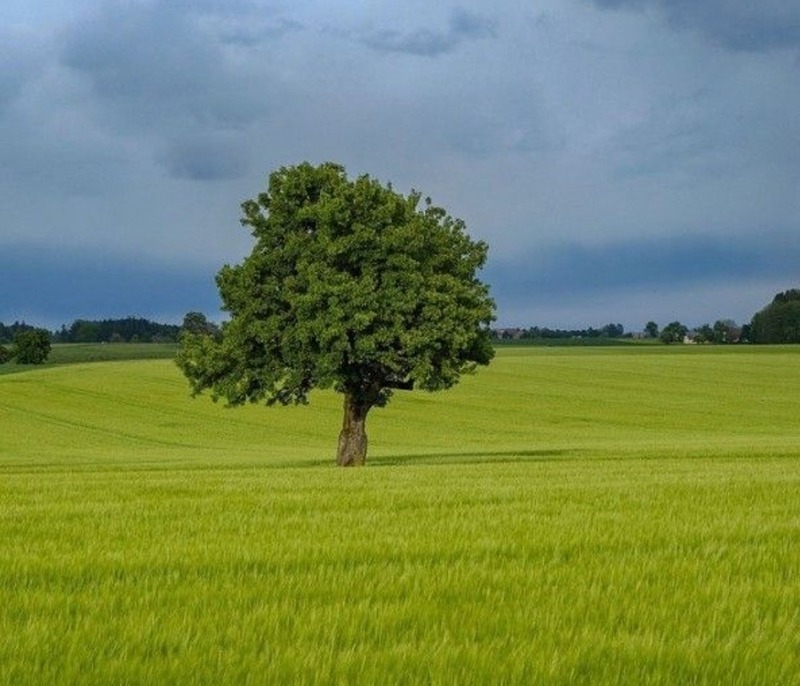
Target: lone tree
31,346
349,286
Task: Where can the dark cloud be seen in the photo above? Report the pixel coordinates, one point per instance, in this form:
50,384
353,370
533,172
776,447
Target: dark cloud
206,158
169,71
138,126
46,140
65,164
473,26
12,79
19,64
250,33
735,24
424,42
571,270
50,287
499,126
151,64
616,4
682,135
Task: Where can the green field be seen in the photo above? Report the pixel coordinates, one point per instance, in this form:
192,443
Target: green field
568,515
70,353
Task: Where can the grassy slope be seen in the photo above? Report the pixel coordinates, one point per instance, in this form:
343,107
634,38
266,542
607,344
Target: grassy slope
72,353
531,402
570,515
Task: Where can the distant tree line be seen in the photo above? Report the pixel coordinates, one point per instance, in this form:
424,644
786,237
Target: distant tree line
128,330
778,322
31,345
536,332
7,333
723,331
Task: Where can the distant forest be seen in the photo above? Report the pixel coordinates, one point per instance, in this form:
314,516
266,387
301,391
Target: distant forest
536,332
128,330
778,322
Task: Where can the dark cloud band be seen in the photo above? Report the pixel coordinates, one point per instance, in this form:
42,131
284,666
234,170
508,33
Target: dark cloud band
735,24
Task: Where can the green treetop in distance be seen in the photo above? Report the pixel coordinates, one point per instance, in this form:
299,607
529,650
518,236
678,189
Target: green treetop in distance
31,346
778,322
673,332
349,286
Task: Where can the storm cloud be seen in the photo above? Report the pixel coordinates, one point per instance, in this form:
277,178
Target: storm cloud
462,26
167,71
70,285
733,24
607,150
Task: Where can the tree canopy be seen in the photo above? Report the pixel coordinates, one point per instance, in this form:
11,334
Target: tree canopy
778,322
31,346
8,332
197,323
673,332
129,329
350,286
651,329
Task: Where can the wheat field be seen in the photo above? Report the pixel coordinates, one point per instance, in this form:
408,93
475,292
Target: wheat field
582,515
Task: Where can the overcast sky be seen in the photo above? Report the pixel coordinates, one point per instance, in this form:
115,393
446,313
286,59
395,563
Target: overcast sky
625,160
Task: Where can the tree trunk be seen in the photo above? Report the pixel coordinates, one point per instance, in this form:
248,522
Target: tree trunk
353,437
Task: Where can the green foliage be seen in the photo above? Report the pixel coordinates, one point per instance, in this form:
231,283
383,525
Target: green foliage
350,286
673,333
724,331
31,347
7,332
129,329
197,323
704,334
792,295
778,322
613,330
651,329
5,354
539,334
82,331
